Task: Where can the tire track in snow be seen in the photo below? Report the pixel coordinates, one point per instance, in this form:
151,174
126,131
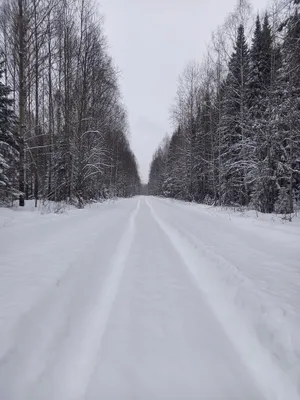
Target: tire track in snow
73,371
56,344
276,384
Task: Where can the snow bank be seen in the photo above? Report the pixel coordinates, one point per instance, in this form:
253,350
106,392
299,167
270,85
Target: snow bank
29,213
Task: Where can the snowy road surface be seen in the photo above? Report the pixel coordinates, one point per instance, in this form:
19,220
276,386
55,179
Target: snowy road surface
148,299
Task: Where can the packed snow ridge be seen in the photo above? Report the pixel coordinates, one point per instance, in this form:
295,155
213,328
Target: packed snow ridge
149,298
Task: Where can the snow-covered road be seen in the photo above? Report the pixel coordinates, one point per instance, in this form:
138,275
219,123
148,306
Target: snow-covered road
148,299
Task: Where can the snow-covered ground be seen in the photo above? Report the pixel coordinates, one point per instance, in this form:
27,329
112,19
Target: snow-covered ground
148,298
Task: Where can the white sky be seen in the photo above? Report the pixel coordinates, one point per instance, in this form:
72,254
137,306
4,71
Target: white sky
151,41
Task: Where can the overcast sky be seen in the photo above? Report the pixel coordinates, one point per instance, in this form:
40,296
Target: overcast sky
151,41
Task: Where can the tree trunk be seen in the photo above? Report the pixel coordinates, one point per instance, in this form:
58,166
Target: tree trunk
22,97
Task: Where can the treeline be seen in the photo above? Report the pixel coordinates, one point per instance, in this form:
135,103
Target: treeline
63,127
237,117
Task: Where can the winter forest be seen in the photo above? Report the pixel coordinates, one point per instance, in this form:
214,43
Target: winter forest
63,126
183,287
236,117
64,134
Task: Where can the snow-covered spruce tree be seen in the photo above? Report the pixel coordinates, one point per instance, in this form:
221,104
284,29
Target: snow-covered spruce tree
236,142
155,175
263,70
286,125
158,169
174,184
9,155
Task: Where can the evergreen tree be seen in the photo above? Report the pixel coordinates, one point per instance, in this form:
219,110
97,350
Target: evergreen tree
233,127
262,174
256,75
174,184
157,173
267,53
287,123
8,145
